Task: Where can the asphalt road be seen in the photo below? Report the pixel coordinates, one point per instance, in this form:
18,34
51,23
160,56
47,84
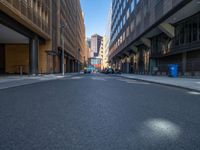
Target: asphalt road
98,112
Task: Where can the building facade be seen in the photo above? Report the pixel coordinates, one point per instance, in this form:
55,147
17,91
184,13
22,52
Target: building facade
148,35
103,53
107,38
31,36
88,47
95,45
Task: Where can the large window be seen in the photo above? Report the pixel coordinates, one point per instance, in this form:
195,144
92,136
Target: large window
188,31
132,5
181,34
194,28
124,4
199,26
127,13
124,20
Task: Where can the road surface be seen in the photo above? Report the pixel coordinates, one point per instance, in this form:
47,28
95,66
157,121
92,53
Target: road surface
99,112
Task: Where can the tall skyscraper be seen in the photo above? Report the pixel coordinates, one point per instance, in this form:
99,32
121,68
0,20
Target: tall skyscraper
95,45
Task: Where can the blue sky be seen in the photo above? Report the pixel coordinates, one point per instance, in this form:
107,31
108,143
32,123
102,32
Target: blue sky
95,14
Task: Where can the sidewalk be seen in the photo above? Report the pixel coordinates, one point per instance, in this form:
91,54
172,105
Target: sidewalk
185,83
14,81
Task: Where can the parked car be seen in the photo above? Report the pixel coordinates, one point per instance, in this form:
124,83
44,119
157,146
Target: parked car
110,71
87,71
117,71
103,71
82,72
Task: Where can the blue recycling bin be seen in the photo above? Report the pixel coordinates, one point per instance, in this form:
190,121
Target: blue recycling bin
173,70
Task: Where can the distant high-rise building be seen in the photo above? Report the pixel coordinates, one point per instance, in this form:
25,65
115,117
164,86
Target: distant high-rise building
102,54
88,49
95,45
88,42
107,39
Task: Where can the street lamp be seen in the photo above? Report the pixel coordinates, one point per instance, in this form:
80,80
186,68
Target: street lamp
63,49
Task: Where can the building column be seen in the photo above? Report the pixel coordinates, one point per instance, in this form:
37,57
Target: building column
62,61
74,66
184,63
128,65
168,29
33,55
152,65
68,64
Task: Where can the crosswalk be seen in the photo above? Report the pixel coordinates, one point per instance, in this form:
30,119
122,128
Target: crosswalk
108,78
98,78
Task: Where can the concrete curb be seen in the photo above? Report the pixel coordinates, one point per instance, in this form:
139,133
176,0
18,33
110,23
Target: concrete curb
159,83
35,82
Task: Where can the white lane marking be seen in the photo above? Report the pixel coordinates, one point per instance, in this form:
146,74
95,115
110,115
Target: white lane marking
133,81
136,82
76,78
126,80
193,93
99,79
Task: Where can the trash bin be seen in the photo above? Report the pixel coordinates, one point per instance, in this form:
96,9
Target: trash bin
173,70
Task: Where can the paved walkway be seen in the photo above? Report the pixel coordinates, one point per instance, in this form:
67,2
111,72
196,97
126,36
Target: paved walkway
186,83
14,81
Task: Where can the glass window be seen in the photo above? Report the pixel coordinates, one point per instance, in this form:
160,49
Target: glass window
124,5
199,26
194,29
128,14
124,20
177,31
181,34
188,31
132,5
132,25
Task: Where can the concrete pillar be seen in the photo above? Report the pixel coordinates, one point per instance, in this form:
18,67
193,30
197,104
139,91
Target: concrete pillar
128,65
168,29
184,63
134,49
152,64
71,65
62,61
75,66
33,55
146,42
68,64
